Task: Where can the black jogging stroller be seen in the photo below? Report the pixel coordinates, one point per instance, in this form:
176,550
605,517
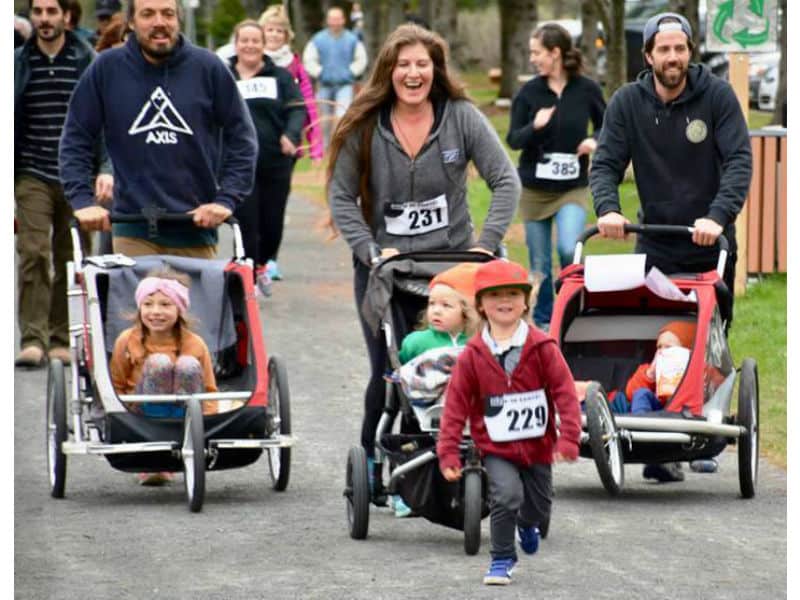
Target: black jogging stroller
396,292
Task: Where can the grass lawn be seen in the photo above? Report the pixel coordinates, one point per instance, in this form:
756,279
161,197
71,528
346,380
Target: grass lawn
759,328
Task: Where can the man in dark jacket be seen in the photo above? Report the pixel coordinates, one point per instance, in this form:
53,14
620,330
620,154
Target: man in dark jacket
177,131
685,132
46,69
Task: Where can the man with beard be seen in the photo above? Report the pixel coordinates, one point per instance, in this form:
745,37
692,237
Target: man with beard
179,135
46,69
685,132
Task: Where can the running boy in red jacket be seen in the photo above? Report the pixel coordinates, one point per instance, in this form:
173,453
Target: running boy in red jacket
509,382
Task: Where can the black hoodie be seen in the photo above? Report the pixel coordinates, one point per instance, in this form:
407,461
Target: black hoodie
691,157
581,101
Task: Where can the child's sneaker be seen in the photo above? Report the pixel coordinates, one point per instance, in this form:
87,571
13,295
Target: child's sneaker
704,465
401,509
528,539
263,282
499,572
273,271
153,479
665,473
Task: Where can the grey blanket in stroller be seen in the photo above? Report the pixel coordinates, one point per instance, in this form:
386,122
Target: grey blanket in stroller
206,294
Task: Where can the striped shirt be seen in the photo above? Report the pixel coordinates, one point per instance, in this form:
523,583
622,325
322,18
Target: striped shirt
44,106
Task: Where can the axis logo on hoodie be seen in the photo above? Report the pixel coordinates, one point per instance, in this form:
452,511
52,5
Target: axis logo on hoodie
160,119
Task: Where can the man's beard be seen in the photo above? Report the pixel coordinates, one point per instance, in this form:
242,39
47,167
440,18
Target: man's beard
56,30
671,81
159,52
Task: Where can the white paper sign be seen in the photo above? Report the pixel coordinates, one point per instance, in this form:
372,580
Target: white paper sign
662,286
613,272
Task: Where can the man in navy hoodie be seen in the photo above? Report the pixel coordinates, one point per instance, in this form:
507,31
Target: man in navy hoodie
178,133
685,132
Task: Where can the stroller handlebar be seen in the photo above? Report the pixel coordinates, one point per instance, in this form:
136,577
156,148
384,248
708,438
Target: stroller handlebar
674,230
152,216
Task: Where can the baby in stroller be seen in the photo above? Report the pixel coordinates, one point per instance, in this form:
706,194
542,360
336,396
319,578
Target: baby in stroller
159,354
429,354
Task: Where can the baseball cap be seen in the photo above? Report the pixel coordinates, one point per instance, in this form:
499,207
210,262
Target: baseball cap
501,273
106,8
654,25
460,277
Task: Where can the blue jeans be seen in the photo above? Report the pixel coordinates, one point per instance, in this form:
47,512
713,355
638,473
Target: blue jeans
334,100
570,221
644,400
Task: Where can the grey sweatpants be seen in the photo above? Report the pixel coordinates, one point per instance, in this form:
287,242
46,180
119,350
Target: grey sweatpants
517,497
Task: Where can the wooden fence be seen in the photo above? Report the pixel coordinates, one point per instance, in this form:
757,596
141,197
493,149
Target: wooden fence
765,209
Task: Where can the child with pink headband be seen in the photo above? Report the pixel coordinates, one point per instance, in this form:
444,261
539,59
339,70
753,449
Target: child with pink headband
160,354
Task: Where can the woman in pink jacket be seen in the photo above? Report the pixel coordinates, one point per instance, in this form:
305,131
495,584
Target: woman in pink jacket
279,35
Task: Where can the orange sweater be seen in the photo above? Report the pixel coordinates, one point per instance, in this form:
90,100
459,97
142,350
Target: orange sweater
640,380
127,359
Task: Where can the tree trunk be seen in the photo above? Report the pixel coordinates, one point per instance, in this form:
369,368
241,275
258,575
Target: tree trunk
307,17
517,18
779,116
690,10
589,30
612,14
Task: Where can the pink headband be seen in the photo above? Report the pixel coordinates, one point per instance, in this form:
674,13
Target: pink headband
172,289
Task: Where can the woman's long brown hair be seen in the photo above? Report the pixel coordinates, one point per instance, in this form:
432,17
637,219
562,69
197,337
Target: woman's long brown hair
363,113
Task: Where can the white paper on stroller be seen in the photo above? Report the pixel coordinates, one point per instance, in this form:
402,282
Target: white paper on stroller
662,286
670,366
111,260
613,272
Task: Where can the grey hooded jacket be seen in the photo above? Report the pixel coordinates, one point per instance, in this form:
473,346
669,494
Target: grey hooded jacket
460,134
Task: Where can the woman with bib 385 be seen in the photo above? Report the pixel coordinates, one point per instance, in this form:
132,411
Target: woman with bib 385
549,120
397,175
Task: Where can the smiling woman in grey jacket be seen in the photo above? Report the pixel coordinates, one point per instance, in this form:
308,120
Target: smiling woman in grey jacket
397,175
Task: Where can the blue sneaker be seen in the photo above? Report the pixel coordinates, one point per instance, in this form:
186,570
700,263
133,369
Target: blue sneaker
263,283
528,539
401,509
274,271
499,572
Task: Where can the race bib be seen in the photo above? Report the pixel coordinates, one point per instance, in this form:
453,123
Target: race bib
558,166
419,217
516,416
258,87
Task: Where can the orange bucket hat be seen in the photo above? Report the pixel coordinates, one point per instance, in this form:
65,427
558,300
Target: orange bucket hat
683,330
460,277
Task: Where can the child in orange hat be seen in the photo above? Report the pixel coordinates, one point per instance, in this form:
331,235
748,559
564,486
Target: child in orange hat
646,394
641,390
428,354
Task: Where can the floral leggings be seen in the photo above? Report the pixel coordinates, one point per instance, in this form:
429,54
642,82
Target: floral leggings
161,376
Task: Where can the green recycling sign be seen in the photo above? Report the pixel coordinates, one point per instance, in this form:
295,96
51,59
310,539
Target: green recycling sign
742,25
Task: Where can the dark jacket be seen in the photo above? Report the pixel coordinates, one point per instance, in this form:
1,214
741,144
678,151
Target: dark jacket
691,157
22,75
581,101
178,133
275,111
478,376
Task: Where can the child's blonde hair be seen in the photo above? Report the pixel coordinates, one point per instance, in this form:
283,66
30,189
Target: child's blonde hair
469,315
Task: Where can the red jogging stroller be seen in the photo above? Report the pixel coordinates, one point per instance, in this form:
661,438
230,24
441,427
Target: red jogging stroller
85,415
605,335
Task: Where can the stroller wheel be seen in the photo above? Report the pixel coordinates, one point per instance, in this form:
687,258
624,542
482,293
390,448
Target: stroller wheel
193,455
473,501
747,418
603,439
278,409
56,428
356,493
